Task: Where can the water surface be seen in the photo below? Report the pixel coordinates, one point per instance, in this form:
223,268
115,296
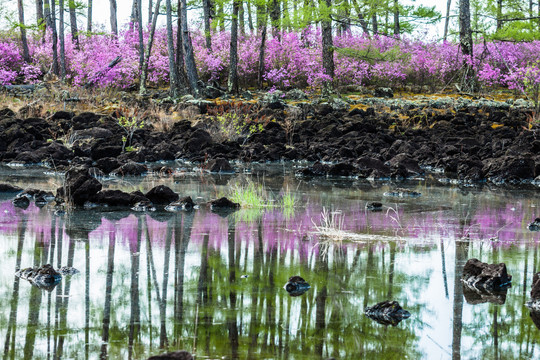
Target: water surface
213,285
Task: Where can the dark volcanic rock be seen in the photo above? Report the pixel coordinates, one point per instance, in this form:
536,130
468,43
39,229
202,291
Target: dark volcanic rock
374,206
223,206
387,313
184,204
296,286
219,165
341,169
130,169
108,164
45,277
534,303
176,355
79,186
508,168
116,198
474,296
535,225
8,188
317,169
485,277
21,202
161,195
103,150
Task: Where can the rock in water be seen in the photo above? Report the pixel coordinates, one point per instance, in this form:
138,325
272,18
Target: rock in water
176,355
223,206
45,277
534,303
296,286
184,204
387,313
374,206
402,193
535,225
485,277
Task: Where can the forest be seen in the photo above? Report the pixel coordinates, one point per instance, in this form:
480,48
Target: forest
277,44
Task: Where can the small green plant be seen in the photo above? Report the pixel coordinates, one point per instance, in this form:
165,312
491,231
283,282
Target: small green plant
233,126
130,125
288,201
250,196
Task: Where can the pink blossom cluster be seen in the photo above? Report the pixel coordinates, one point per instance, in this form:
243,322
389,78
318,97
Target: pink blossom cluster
292,59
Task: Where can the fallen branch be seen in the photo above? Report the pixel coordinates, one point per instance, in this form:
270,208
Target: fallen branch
100,74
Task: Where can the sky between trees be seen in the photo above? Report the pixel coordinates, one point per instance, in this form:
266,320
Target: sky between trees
101,14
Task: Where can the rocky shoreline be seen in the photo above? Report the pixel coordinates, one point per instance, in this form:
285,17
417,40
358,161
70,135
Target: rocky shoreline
469,140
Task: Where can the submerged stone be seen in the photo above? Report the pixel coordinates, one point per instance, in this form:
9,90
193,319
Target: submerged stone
387,313
223,206
402,193
45,277
534,303
296,286
175,355
535,225
486,277
374,206
184,204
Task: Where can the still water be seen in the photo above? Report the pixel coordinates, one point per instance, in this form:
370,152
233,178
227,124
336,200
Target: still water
213,285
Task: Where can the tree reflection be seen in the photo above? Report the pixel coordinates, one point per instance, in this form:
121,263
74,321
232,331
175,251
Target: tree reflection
224,297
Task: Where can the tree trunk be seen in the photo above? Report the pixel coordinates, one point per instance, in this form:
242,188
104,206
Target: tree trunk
114,22
26,52
173,77
374,22
327,43
396,18
191,68
61,11
180,67
232,83
39,15
465,40
50,11
133,16
73,23
447,20
144,70
140,31
241,18
261,58
89,17
250,17
499,14
219,16
261,14
206,19
150,11
274,7
361,18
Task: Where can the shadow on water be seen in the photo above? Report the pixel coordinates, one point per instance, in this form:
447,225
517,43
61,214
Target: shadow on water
213,285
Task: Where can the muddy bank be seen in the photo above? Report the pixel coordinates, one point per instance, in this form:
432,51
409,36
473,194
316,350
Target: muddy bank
457,138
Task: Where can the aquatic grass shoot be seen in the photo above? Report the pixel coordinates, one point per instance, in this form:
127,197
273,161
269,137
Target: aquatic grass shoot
288,202
250,196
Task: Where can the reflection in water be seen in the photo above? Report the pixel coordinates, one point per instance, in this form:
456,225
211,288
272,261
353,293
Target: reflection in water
213,285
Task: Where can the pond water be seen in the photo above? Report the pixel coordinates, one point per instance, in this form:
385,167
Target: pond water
213,285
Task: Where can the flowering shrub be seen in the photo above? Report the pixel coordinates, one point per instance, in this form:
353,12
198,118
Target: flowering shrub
12,65
294,59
